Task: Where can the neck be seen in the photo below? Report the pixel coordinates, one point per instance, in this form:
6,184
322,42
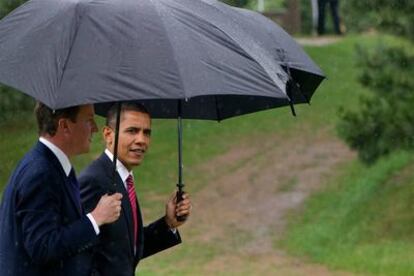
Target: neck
58,143
112,158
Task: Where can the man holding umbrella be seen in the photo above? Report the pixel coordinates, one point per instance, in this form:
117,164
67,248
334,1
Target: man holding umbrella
43,229
124,243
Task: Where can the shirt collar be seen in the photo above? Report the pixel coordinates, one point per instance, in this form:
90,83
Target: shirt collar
60,155
122,170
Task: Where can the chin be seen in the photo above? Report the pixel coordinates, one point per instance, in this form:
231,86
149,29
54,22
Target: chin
135,163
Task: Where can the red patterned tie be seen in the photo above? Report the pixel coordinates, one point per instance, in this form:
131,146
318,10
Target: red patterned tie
133,200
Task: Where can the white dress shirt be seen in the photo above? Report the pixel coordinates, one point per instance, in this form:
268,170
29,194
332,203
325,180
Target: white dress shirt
67,167
120,168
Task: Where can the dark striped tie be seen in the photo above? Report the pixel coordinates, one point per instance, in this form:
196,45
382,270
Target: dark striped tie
133,200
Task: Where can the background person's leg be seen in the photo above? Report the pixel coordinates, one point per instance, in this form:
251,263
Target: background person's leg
334,5
321,16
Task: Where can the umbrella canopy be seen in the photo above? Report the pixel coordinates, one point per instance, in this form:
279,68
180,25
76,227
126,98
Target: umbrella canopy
72,52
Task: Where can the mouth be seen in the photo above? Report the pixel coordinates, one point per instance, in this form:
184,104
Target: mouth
138,151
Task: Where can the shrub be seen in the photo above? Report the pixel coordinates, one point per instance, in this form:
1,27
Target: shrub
384,120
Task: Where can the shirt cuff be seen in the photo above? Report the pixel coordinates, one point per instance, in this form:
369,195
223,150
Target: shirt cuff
94,224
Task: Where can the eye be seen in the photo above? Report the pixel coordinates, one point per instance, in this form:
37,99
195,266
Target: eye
131,130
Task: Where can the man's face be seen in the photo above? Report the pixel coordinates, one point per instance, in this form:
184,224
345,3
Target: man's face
82,129
134,138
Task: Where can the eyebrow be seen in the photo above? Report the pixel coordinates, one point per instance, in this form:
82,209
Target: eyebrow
138,128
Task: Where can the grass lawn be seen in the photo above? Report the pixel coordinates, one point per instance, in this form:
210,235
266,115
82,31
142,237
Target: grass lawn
362,222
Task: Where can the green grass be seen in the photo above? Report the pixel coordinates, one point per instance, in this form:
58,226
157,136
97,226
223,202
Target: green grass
363,221
358,248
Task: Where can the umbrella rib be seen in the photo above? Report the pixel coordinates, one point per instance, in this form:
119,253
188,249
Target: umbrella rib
79,16
264,65
157,8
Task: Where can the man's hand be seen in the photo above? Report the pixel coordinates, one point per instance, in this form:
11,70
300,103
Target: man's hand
174,209
108,209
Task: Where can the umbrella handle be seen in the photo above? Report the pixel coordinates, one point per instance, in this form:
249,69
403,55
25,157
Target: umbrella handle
179,199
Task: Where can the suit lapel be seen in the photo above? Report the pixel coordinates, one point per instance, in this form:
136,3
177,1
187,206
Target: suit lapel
125,205
67,185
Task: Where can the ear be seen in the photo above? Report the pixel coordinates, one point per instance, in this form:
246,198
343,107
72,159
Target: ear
63,127
108,136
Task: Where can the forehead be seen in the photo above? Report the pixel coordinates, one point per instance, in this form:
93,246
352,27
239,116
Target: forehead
135,118
86,110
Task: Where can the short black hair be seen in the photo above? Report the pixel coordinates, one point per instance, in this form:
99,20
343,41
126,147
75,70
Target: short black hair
47,118
127,106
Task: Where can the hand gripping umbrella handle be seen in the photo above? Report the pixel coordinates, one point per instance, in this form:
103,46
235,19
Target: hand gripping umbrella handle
180,198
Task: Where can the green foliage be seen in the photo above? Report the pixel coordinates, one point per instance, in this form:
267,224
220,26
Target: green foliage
13,103
355,19
7,6
383,122
393,16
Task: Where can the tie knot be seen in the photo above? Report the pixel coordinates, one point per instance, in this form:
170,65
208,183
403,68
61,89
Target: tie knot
130,181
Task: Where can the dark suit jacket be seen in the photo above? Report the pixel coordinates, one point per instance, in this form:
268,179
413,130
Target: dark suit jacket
115,253
42,229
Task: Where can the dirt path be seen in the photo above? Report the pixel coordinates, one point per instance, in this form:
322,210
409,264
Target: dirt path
252,188
318,40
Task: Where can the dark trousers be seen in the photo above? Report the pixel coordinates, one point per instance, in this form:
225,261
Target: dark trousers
334,4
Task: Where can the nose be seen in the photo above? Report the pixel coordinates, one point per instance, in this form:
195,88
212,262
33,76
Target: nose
141,138
94,127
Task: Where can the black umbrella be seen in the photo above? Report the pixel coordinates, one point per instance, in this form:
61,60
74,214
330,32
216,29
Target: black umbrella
181,58
68,52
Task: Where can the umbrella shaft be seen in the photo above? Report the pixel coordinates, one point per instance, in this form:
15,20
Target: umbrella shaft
180,183
118,121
